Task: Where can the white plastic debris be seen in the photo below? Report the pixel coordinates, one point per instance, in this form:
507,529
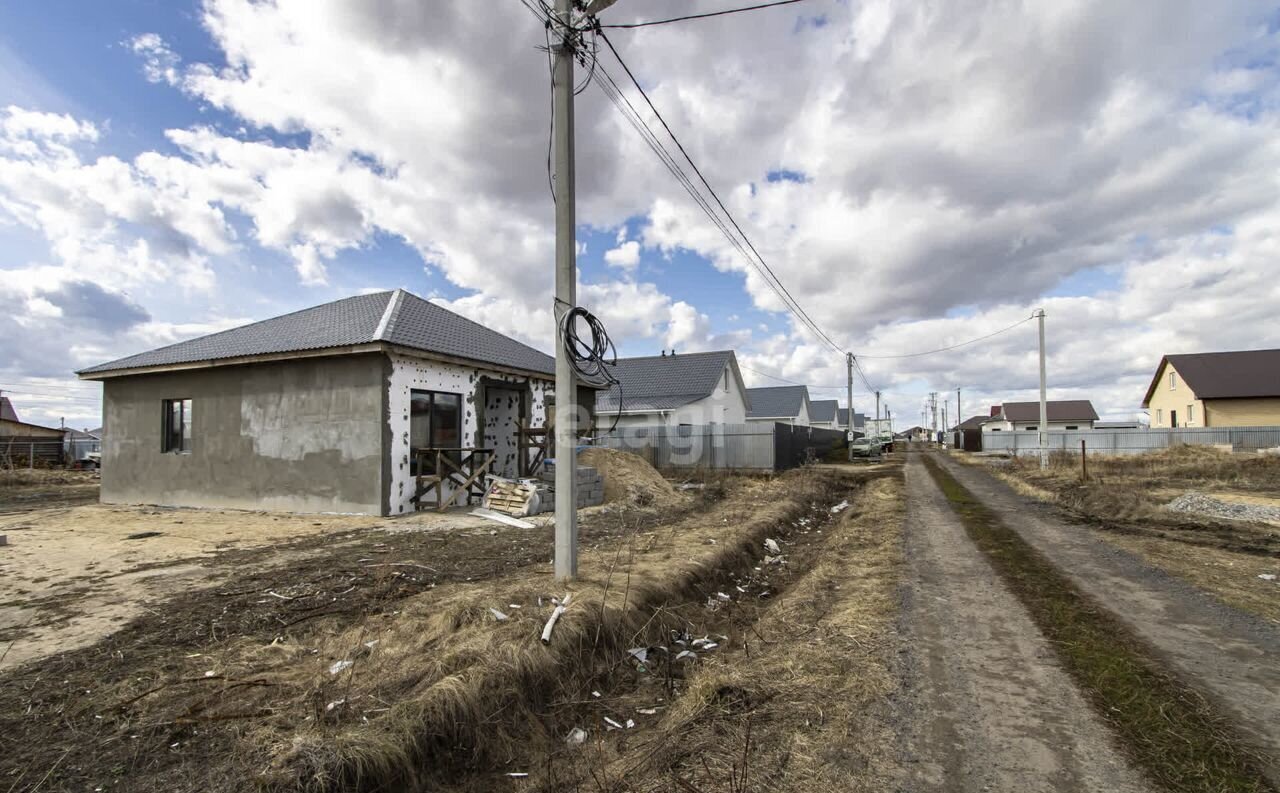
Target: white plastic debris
630,724
841,507
686,655
517,774
774,559
337,703
372,644
498,615
723,597
576,736
610,724
339,666
1267,576
551,621
595,694
647,711
210,673
641,654
771,545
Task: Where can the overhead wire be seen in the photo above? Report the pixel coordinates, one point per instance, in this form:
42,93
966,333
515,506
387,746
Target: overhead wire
706,15
951,347
758,262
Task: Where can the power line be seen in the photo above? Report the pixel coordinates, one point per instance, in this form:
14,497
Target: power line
703,16
953,346
762,266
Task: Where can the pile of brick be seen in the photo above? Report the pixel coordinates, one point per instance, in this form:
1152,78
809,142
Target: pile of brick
590,483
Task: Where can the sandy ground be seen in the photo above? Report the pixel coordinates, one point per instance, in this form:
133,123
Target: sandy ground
71,575
1229,653
985,705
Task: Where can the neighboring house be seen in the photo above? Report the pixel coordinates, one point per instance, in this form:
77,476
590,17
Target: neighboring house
1066,414
976,422
859,420
321,410
80,444
21,442
823,413
1216,389
787,404
686,388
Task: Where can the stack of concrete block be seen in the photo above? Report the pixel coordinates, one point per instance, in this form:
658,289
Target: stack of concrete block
590,483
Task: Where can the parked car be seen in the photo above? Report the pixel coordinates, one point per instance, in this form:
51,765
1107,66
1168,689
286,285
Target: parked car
864,447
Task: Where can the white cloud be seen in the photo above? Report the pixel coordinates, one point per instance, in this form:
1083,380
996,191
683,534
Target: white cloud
626,256
159,63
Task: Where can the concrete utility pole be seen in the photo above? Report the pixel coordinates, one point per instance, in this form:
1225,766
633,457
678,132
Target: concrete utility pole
877,411
1044,405
848,359
566,542
959,412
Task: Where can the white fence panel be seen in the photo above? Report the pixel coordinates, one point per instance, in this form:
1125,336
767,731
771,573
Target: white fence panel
1133,441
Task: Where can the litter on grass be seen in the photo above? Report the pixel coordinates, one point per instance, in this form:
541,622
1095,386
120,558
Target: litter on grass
1267,576
338,666
576,736
498,615
838,508
771,545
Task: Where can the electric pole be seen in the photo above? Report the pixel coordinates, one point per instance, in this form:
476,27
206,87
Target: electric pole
1044,405
959,412
566,431
848,359
877,411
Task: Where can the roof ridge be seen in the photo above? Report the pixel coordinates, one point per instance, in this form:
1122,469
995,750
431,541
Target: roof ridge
389,315
470,321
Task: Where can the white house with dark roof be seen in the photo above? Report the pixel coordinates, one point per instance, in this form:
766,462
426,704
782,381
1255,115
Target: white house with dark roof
675,389
823,413
350,407
1063,414
786,404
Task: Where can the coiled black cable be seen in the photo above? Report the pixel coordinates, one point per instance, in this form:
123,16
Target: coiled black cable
592,360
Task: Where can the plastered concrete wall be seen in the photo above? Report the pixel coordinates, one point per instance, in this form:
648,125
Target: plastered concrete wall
302,436
407,374
1243,412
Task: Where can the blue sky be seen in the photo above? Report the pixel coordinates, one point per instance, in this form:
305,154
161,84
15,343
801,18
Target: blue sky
197,164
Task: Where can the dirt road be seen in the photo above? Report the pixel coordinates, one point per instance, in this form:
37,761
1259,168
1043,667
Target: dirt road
985,705
1227,653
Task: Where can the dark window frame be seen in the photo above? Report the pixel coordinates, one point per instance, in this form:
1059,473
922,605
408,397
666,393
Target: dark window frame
433,427
176,440
1073,426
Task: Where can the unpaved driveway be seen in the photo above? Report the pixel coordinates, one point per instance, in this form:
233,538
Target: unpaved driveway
985,705
1227,653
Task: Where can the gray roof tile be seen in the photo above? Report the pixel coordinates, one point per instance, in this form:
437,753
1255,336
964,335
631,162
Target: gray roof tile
413,322
664,382
780,401
823,410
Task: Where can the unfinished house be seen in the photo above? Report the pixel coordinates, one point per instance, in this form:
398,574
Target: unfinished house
377,404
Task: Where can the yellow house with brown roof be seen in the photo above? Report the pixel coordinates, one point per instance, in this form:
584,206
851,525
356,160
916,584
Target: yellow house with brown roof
1216,389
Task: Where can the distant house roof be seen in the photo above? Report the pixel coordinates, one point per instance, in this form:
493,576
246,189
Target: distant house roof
1224,375
398,318
824,410
665,382
782,401
81,435
976,422
7,413
1060,410
6,425
842,418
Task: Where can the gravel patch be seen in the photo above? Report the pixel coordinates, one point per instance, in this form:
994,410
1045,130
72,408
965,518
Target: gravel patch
1207,505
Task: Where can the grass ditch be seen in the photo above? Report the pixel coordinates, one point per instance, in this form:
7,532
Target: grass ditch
1170,730
233,689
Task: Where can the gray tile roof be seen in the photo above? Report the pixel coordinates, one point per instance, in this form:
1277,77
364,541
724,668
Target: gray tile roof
842,418
664,382
782,401
410,321
824,410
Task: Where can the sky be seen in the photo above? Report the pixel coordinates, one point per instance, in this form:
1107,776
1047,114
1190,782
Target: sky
917,174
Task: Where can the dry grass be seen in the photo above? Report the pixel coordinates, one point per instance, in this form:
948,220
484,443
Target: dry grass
436,687
801,708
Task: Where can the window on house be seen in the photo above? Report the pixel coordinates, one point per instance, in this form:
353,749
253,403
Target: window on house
1191,413
1159,417
177,426
1173,380
726,380
1032,429
1073,426
435,420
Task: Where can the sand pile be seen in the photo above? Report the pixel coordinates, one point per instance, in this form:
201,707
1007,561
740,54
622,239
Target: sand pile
628,478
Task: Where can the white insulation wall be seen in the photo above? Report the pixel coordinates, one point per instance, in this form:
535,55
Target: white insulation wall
408,374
